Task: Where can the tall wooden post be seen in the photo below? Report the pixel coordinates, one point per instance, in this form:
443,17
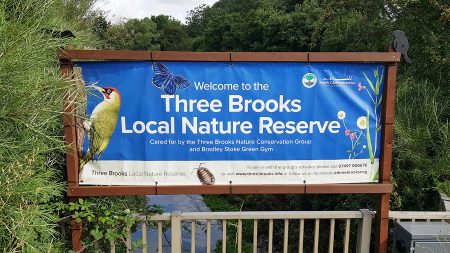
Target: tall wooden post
76,233
72,160
387,121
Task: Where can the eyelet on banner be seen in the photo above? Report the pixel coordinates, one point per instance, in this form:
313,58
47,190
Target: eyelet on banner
304,183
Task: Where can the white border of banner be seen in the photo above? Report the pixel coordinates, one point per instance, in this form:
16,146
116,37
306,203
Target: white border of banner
238,172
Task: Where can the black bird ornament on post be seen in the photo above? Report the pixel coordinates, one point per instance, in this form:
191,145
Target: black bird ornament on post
59,34
401,44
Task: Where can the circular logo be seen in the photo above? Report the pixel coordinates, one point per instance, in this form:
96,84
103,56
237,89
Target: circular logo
309,80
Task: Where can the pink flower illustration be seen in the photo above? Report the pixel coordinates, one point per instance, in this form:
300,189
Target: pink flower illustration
352,136
347,132
360,87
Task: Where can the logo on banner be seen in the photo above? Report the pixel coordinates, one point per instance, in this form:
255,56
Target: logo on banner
309,80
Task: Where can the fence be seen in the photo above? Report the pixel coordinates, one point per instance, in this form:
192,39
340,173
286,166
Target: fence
362,217
397,216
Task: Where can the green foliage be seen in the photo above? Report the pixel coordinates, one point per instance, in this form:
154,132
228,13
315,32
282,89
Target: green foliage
31,103
31,95
232,241
155,33
31,92
133,34
283,203
172,34
196,20
354,25
421,147
422,144
444,187
254,26
99,25
426,25
107,220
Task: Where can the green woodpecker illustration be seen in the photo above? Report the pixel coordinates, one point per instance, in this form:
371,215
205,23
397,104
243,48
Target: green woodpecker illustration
102,123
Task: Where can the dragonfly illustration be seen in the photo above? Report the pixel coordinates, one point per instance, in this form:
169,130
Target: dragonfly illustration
168,81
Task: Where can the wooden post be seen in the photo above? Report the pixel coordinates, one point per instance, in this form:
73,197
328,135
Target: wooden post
387,130
77,233
176,231
72,160
70,134
364,231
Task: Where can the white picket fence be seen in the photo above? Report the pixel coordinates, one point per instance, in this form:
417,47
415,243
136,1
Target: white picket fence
362,217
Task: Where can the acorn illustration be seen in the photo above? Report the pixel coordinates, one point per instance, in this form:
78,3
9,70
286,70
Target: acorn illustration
204,175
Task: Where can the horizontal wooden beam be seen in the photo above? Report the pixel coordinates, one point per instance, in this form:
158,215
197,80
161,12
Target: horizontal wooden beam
190,56
118,55
82,191
124,55
265,215
354,57
409,215
269,57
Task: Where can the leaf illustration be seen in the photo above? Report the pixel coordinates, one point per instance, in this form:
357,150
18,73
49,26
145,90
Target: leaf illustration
381,76
370,82
379,102
377,87
379,80
375,177
369,141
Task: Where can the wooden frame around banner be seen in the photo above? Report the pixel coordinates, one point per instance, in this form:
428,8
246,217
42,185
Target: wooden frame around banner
382,188
75,190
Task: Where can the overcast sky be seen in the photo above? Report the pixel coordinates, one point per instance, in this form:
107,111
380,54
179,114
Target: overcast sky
117,9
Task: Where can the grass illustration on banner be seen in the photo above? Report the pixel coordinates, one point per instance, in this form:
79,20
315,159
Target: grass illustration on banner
376,98
363,131
166,80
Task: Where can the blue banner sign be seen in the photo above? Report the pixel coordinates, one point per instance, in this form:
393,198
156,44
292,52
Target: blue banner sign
194,123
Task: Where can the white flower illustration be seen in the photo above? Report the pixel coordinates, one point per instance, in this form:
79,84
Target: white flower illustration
341,115
364,146
362,122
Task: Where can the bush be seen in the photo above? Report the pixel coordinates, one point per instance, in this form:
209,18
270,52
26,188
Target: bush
31,144
421,145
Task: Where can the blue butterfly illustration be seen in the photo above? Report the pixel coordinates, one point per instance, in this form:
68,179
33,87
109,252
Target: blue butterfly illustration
168,81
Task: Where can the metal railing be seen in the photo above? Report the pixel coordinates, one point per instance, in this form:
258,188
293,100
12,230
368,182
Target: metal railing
363,218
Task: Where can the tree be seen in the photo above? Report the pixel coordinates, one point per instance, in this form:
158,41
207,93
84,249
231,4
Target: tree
257,26
100,25
196,20
421,140
133,34
172,34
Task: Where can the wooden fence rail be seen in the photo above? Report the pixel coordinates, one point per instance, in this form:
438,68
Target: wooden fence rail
290,219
